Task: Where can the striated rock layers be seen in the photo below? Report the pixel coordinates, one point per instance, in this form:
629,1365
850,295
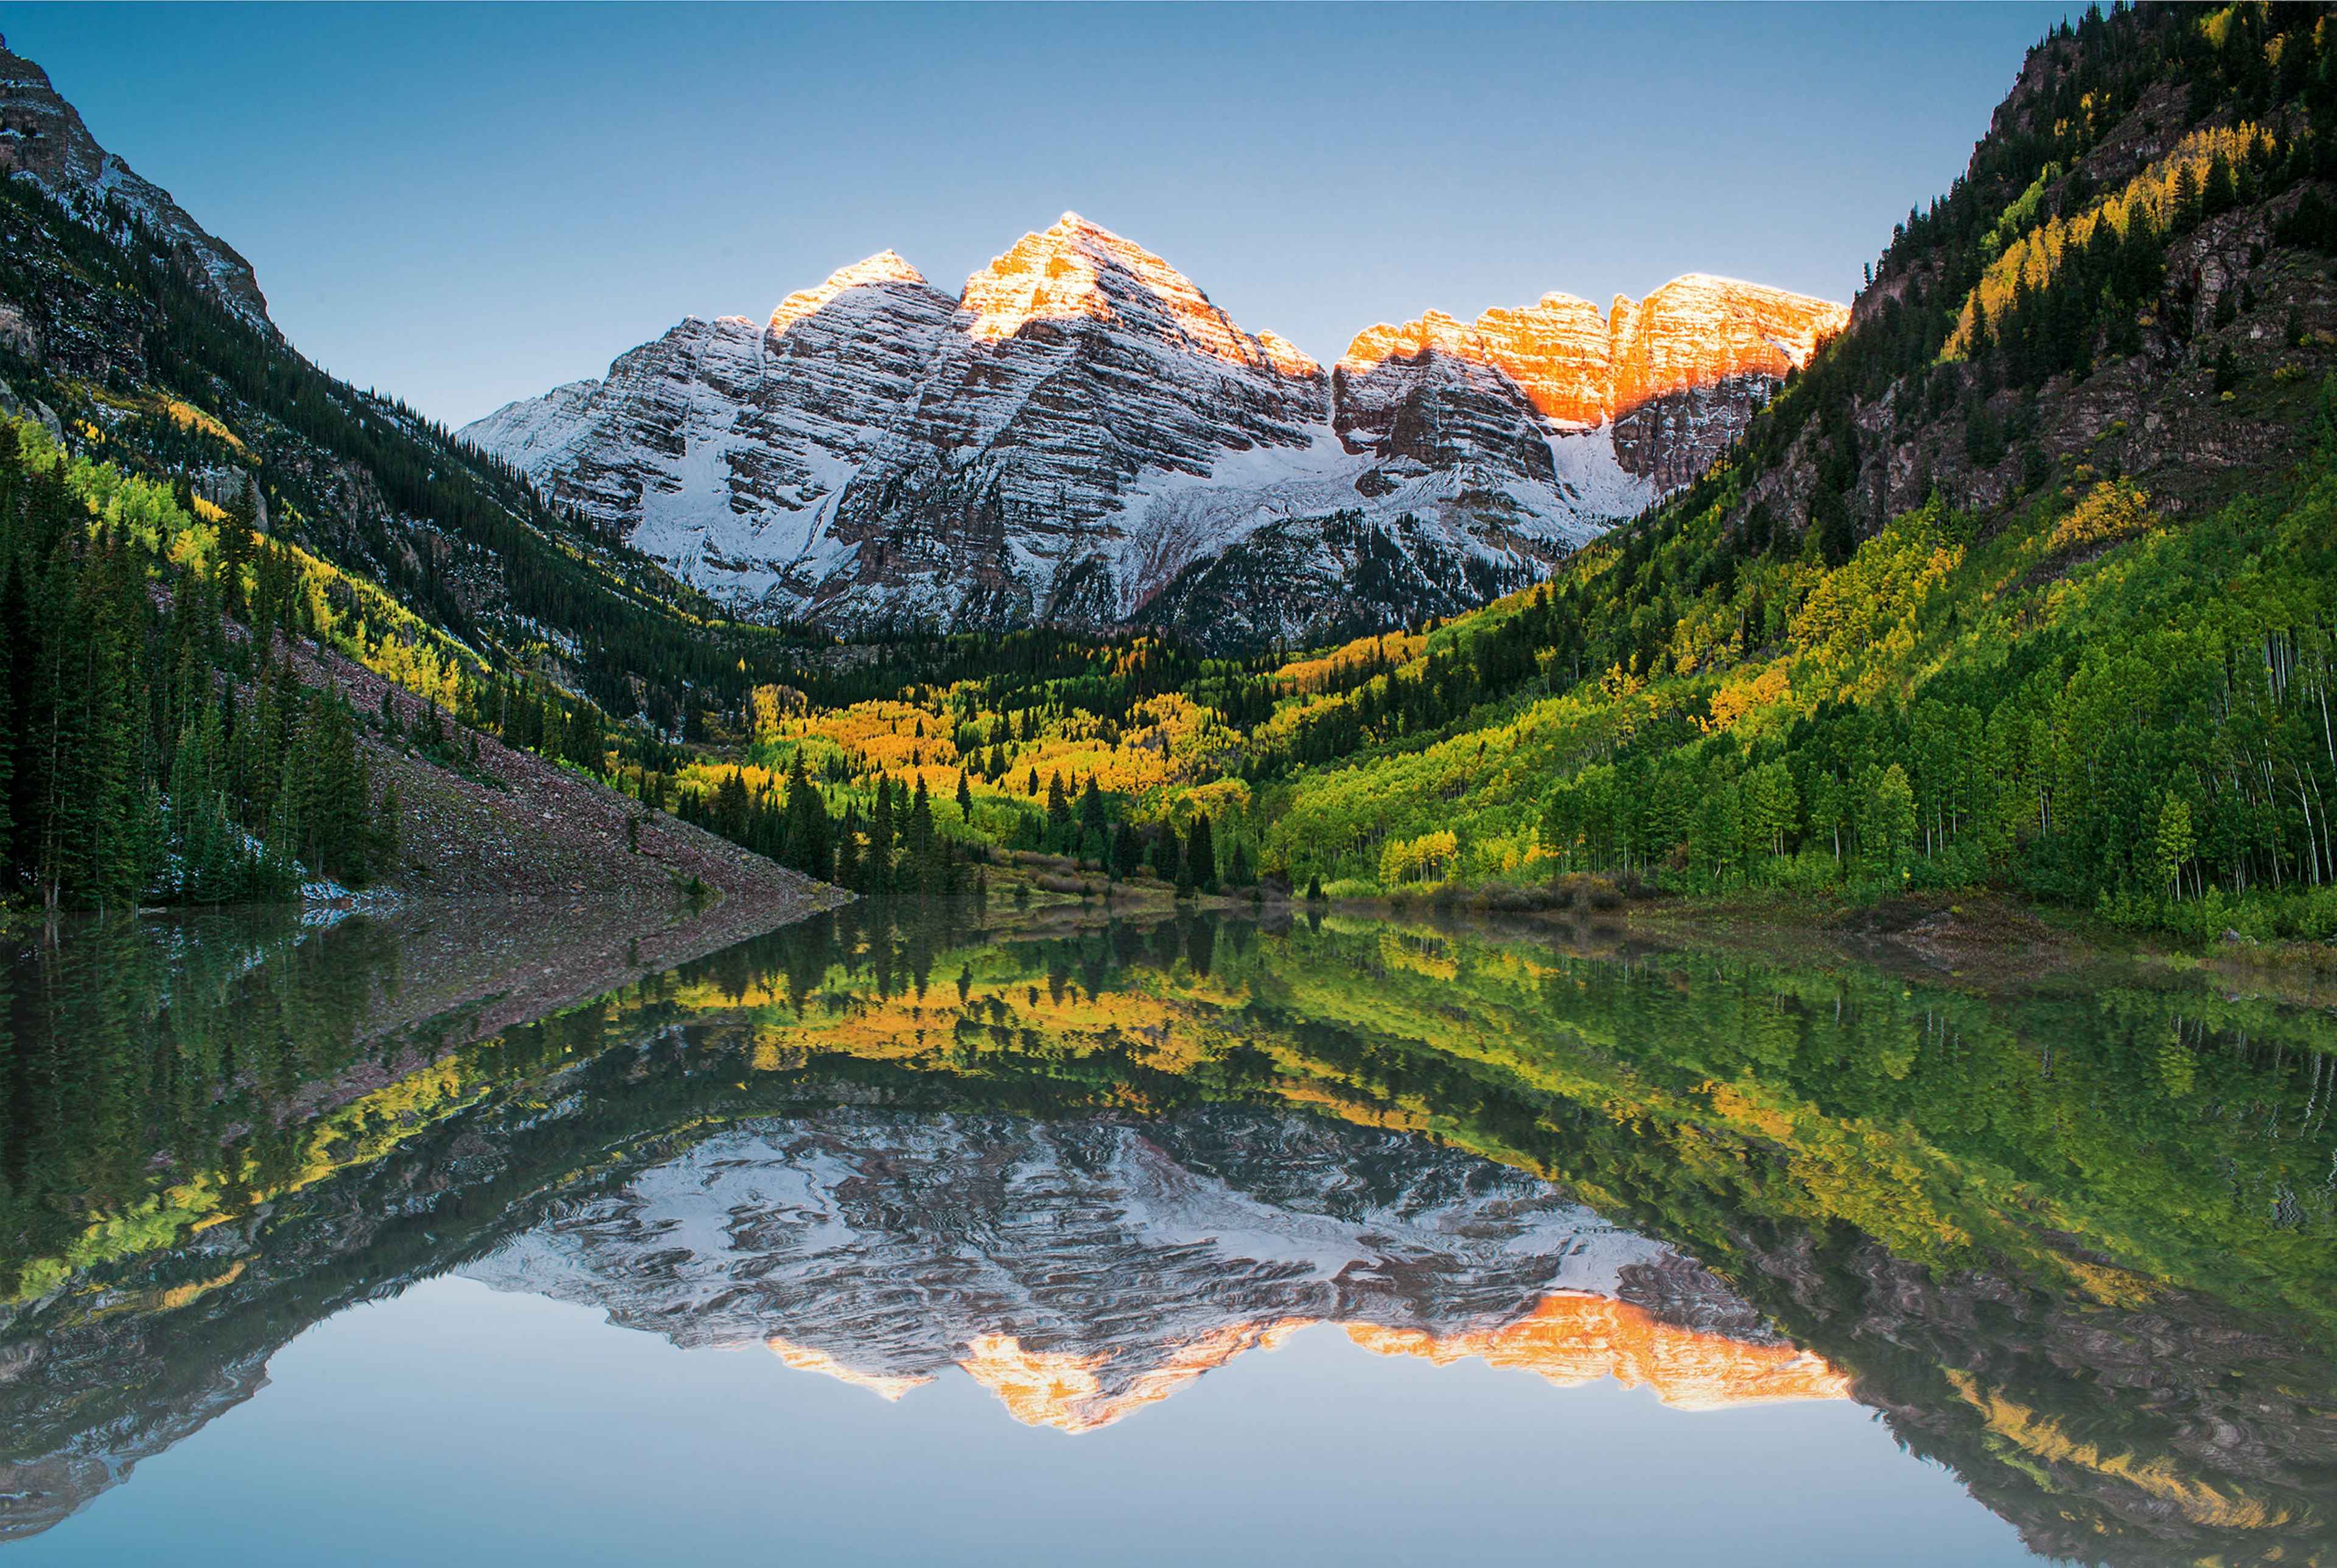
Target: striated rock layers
1675,375
43,136
1082,1270
1080,428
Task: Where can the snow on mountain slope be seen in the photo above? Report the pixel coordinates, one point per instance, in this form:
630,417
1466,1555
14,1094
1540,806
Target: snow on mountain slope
1083,1269
1081,428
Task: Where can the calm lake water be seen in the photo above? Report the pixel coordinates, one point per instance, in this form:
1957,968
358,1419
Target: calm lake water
918,1233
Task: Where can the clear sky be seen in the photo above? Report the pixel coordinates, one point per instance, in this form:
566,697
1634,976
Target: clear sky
464,206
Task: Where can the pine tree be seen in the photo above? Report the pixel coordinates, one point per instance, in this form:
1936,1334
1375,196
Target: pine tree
1168,855
964,800
1091,813
849,874
1200,859
807,826
235,546
879,872
924,862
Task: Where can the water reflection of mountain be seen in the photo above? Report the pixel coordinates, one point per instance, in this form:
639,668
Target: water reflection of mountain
1081,1269
2072,1237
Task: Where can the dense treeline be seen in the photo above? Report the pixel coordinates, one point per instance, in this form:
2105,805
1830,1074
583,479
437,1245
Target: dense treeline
163,752
1719,695
646,644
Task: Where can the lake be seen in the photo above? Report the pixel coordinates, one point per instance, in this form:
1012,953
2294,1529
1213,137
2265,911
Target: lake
919,1232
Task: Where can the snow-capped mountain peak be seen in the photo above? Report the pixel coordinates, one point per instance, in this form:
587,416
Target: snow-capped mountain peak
1082,437
884,267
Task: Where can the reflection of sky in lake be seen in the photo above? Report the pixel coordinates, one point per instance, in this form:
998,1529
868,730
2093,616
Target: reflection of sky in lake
1259,1214
458,1426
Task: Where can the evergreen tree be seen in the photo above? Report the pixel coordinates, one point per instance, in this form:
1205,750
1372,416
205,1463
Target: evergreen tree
1092,822
850,873
808,847
922,852
879,868
235,531
1200,858
1168,855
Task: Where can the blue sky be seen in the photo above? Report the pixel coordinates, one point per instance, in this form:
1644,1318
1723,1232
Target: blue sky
466,205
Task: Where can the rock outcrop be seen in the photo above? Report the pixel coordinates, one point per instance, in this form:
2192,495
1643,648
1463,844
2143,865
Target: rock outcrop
1670,379
1080,429
43,136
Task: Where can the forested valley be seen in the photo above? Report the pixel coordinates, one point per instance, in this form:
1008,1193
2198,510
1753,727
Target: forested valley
2032,663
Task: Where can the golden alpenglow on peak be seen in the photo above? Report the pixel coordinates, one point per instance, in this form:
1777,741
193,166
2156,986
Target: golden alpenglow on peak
1575,1338
884,267
1077,269
1578,367
1698,329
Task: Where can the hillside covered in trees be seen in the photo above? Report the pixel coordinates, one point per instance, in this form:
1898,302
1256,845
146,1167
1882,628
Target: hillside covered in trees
2025,581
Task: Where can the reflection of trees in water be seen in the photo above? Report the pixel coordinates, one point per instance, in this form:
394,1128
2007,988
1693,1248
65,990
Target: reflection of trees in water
2072,1237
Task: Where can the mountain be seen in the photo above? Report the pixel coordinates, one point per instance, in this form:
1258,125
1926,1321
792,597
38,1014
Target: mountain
1079,432
1082,1271
42,137
2023,581
144,342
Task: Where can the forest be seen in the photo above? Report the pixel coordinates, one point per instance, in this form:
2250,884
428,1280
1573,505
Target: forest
2073,693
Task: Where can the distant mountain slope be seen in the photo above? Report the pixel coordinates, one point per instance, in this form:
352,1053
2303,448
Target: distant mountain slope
1080,429
147,340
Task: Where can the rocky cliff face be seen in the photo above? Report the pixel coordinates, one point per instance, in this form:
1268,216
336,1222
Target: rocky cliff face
43,136
1080,428
1667,382
1082,1271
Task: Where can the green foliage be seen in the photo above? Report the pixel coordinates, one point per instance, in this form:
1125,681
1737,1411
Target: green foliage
152,754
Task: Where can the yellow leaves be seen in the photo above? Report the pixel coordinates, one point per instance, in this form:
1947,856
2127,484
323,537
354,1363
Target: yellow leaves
187,416
1870,601
1504,854
2016,1430
2112,509
1419,952
2033,257
1393,648
1427,858
1733,1104
1732,703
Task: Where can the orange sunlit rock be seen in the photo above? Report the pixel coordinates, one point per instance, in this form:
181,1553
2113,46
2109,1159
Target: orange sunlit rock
1077,269
884,267
1288,356
1056,1388
1038,1388
1571,1337
804,1359
1696,330
1580,368
1574,1339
